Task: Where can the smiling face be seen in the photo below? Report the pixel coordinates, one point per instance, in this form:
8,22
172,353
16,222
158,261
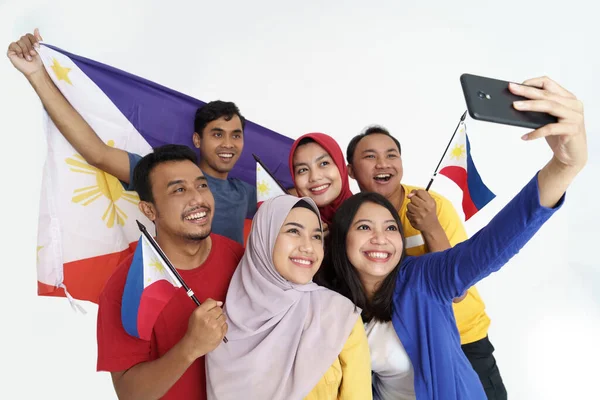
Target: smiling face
315,174
373,243
377,165
182,202
221,144
298,250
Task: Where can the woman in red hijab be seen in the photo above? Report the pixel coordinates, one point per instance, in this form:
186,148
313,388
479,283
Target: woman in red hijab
319,171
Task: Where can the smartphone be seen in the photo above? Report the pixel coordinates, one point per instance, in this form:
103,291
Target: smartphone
490,100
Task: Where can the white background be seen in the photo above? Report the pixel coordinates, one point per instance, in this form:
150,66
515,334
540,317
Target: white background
334,67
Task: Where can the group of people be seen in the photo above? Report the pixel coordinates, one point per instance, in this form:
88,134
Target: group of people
334,295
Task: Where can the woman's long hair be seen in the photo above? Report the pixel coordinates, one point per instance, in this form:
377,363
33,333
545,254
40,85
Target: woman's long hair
341,274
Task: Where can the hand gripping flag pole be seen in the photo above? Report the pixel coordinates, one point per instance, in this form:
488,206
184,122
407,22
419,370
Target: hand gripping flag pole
173,270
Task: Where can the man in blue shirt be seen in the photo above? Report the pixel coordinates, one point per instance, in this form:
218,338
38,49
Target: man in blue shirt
219,135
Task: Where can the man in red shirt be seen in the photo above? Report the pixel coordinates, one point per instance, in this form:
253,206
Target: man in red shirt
175,196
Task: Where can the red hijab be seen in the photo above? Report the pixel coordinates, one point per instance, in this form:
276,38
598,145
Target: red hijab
331,146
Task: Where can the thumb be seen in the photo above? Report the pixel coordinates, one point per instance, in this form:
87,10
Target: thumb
37,35
209,304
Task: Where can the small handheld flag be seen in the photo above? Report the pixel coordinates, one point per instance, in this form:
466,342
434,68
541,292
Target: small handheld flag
151,283
267,186
458,165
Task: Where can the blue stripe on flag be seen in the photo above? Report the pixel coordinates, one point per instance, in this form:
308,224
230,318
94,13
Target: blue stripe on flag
132,293
480,194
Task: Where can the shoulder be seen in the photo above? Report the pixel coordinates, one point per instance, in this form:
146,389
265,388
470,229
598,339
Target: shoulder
407,269
335,301
237,182
339,309
224,246
445,210
242,184
444,206
439,198
358,336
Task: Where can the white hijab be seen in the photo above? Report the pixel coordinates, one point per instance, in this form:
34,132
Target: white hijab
283,336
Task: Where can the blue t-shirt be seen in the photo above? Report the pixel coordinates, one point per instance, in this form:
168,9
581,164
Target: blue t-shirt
235,200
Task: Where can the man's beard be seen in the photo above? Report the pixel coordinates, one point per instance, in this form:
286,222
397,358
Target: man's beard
197,236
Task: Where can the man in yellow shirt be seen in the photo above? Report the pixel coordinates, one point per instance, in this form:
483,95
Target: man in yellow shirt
430,223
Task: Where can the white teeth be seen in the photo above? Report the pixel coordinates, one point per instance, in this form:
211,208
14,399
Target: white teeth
226,155
378,255
383,176
300,261
319,188
197,215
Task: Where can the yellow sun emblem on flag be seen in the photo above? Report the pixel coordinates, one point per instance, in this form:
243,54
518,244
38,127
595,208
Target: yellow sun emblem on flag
458,151
158,266
106,185
263,188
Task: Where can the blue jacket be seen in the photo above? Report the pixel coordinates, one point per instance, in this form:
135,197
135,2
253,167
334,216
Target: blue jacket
422,312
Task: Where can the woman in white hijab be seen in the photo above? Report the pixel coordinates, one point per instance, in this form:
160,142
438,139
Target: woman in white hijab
288,337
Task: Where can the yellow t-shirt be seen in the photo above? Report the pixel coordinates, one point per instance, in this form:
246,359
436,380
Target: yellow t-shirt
349,377
471,318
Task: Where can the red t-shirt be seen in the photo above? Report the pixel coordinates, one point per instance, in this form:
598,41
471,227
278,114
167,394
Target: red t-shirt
118,351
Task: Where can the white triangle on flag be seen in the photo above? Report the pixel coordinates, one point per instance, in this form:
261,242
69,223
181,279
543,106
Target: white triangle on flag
155,268
266,186
457,152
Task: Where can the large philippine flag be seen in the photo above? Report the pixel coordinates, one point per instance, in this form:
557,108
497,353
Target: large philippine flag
87,220
458,165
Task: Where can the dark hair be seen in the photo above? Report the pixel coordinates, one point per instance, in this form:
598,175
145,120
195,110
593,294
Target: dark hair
306,140
304,204
141,172
373,130
346,280
213,111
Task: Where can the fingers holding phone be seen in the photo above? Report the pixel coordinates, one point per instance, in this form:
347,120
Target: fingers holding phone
567,137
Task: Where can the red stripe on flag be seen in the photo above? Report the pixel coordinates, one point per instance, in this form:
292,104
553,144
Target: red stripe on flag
154,299
85,279
459,176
